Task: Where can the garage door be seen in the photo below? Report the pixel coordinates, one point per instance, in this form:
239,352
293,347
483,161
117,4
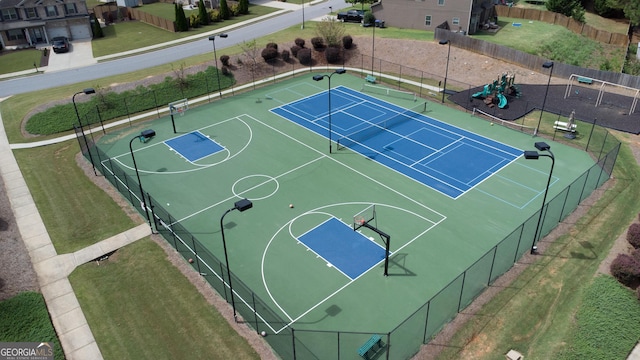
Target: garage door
82,31
57,31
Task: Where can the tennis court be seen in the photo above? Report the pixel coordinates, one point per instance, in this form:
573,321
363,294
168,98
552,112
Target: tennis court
446,187
429,151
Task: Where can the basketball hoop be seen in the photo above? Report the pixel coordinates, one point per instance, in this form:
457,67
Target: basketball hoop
360,220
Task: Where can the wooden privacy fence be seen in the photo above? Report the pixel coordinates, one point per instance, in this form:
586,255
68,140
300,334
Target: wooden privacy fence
532,62
559,19
135,14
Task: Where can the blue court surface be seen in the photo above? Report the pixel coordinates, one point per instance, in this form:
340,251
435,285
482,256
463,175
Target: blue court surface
445,158
193,146
339,245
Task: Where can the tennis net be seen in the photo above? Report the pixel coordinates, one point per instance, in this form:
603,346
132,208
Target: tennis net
379,90
384,125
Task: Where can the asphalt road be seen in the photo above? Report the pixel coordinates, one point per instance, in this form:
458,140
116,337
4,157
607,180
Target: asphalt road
142,61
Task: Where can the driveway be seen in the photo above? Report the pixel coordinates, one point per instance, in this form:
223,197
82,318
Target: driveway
80,55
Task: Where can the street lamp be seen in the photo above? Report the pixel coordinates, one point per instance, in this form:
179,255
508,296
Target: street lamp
534,155
546,65
446,72
212,38
320,77
240,205
86,91
144,136
302,27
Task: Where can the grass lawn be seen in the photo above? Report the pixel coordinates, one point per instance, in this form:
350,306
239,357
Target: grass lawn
555,42
139,306
131,35
19,60
76,212
24,318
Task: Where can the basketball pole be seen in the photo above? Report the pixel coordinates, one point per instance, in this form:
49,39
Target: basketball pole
387,244
173,123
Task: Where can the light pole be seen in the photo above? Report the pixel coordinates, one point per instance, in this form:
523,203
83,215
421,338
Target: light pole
373,44
86,91
144,136
534,155
446,72
302,26
212,38
240,205
546,65
320,77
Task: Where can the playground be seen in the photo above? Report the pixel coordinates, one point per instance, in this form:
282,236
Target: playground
612,110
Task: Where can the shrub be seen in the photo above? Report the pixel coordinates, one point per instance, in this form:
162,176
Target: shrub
332,54
317,42
224,59
234,10
635,254
269,54
194,21
286,56
304,56
299,42
633,235
347,42
626,269
214,15
295,49
272,45
369,18
225,71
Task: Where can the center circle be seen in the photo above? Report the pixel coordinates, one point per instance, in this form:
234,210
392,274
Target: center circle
255,187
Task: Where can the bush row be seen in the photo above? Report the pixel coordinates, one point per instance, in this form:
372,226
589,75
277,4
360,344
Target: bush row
107,105
626,267
332,54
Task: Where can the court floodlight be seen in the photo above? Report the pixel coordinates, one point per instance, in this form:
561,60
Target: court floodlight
144,136
534,155
240,205
542,146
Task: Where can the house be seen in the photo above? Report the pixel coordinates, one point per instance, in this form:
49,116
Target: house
26,23
466,16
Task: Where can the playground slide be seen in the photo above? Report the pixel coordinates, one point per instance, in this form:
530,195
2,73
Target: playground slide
503,101
484,93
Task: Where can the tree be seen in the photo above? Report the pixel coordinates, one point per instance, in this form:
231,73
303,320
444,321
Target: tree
631,9
181,19
243,7
224,10
362,2
203,16
331,30
250,50
571,8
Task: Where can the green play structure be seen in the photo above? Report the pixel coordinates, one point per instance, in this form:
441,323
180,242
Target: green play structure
504,85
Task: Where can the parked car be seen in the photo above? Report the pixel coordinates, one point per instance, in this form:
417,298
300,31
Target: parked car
60,44
351,16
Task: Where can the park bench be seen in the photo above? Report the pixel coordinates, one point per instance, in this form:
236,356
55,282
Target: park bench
564,126
585,80
371,347
371,79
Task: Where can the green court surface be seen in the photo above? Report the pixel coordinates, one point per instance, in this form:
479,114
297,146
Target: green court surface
275,162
